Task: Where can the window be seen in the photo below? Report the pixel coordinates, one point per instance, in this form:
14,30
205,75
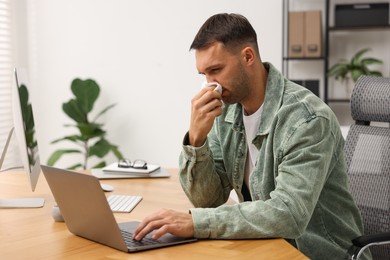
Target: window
6,68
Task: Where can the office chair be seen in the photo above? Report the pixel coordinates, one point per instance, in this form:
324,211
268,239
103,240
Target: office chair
367,152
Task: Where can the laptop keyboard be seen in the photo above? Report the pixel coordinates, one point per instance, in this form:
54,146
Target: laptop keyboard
130,242
123,203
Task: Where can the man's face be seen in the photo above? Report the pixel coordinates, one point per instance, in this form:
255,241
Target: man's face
226,68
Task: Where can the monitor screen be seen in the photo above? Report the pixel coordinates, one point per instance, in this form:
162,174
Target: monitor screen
24,130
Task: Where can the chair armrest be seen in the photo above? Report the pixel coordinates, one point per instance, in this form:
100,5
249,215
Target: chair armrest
368,239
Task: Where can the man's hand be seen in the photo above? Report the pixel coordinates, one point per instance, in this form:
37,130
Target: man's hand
206,106
166,221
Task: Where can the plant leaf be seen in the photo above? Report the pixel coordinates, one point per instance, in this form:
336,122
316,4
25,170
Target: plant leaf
368,61
375,73
356,73
90,130
116,152
100,148
356,58
99,165
75,166
70,125
58,154
103,111
338,70
86,92
72,138
72,109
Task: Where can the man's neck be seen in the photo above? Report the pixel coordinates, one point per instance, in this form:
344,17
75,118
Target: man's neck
259,84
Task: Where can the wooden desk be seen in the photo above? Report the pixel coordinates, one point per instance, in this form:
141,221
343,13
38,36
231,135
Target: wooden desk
32,233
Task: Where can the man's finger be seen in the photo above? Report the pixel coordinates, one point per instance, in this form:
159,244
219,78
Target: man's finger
161,231
147,220
149,227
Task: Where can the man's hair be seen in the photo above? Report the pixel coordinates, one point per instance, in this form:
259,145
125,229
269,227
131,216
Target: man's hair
233,30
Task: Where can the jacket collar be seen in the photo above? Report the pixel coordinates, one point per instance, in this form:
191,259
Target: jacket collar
272,102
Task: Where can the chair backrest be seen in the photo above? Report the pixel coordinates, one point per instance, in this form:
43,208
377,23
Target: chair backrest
367,151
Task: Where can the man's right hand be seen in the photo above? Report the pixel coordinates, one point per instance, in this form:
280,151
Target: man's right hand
206,106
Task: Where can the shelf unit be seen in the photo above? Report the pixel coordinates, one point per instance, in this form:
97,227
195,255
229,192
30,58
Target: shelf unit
324,58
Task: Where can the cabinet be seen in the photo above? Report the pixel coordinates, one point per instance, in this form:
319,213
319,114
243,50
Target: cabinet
334,39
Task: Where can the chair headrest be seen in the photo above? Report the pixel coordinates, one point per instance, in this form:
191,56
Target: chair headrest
370,100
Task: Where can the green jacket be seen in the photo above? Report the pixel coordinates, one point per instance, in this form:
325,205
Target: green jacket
299,185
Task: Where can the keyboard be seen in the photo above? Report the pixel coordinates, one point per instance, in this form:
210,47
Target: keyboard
130,242
123,203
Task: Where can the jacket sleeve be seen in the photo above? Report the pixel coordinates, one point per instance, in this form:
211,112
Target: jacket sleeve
304,163
202,175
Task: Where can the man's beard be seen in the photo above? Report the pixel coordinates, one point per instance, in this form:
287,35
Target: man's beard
239,88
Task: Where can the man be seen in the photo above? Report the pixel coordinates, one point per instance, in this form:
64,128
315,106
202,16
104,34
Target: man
274,142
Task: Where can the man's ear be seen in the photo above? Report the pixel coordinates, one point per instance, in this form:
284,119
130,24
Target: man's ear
248,55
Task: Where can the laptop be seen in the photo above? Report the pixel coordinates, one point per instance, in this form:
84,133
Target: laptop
87,213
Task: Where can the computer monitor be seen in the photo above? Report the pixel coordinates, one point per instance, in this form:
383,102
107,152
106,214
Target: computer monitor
24,129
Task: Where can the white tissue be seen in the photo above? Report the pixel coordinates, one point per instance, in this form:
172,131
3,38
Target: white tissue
218,88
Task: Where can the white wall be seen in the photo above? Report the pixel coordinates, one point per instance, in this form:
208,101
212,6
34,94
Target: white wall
138,51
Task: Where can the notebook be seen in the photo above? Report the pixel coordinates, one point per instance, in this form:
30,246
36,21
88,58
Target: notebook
159,173
87,214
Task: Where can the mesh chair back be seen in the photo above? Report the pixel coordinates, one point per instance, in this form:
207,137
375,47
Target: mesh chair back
367,151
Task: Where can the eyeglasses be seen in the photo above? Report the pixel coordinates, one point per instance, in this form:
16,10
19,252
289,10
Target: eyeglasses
137,164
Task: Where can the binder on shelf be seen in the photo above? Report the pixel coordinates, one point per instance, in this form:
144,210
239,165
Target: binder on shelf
312,41
295,34
362,14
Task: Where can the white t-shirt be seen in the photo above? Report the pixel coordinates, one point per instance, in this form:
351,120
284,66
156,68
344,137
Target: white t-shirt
251,124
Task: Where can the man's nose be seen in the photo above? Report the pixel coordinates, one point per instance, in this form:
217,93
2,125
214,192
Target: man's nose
211,79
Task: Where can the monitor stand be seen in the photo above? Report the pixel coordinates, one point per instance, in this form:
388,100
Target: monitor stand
22,202
6,147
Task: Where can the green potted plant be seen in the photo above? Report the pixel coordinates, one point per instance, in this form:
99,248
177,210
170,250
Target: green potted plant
351,70
91,136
